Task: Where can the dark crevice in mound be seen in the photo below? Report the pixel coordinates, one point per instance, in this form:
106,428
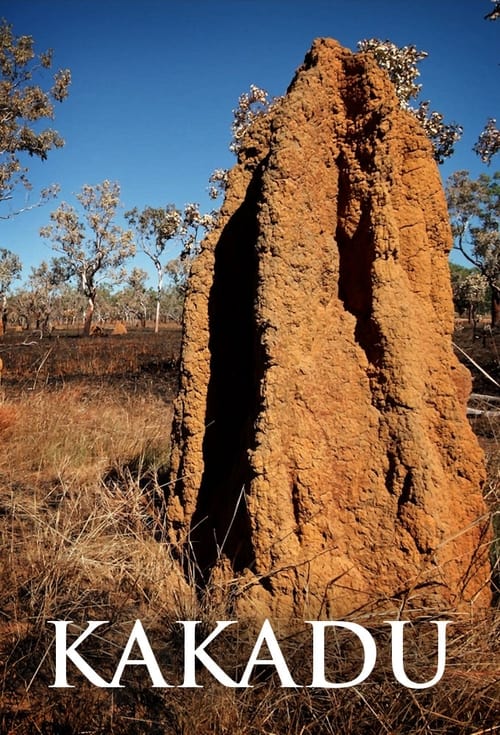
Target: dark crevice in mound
356,256
220,524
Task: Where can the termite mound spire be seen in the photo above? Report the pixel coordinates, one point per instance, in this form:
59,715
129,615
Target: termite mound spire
321,453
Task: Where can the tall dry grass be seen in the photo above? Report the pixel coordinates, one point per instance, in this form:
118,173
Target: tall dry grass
79,432
487,429
75,543
82,538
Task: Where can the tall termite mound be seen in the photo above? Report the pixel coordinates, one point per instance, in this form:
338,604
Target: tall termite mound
321,454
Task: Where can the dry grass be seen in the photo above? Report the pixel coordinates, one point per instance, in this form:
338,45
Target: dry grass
82,538
488,430
75,543
77,433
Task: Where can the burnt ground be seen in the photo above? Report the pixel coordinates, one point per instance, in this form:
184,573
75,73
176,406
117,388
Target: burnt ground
483,345
139,361
143,361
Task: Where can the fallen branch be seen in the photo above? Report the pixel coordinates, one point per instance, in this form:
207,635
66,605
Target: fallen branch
42,363
486,399
487,375
479,412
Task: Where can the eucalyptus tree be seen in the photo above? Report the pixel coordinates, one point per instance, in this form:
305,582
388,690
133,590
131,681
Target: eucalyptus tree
43,288
92,247
470,291
23,105
10,270
155,228
134,300
474,207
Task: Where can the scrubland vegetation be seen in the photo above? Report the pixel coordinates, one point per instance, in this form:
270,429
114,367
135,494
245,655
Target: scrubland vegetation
84,452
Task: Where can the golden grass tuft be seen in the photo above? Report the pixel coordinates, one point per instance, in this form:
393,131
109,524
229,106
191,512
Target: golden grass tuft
8,417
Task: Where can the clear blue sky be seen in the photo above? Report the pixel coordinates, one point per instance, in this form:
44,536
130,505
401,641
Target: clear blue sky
155,82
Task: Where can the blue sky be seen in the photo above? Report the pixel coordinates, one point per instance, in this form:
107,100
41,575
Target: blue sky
155,83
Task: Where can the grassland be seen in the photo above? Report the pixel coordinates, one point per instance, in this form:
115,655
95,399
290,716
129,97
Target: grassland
84,445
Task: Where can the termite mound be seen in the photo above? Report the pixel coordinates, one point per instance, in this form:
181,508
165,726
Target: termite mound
321,458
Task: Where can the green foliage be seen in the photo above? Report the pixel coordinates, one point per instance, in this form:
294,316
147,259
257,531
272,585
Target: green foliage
10,270
155,228
135,298
470,290
44,286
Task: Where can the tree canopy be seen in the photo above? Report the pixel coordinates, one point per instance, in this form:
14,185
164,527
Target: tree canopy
23,103
401,65
92,248
474,207
154,228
